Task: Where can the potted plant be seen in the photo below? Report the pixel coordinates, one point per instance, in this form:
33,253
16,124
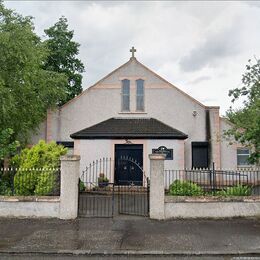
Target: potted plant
102,181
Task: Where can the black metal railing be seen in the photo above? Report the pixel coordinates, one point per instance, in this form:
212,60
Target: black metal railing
103,171
98,171
202,182
29,182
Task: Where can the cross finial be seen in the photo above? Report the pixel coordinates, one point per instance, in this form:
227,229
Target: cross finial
133,50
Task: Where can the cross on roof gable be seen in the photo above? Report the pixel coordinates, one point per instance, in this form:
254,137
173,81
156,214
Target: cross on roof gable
133,50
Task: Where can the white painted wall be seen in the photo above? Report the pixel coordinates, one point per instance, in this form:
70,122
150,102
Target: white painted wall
14,207
92,150
178,152
228,152
103,101
211,209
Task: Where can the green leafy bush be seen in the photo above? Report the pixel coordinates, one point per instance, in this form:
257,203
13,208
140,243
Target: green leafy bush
185,188
239,190
5,184
82,186
47,183
5,188
25,182
29,180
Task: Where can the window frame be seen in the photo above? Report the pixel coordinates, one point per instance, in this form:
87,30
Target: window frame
242,154
138,95
125,95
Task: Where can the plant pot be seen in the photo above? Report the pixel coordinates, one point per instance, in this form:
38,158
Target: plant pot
103,184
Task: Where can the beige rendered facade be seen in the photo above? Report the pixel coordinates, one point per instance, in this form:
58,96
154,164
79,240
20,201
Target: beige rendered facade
162,101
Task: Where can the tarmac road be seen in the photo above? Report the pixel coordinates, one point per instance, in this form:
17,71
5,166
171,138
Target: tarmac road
55,239
26,257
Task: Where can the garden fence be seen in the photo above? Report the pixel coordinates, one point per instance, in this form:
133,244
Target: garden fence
189,182
30,182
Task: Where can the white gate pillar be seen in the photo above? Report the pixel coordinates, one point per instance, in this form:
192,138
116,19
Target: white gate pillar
157,186
69,186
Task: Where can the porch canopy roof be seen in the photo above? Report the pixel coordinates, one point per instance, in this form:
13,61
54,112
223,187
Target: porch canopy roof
129,128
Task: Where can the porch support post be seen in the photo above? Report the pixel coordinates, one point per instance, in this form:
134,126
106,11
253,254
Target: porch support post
157,186
69,186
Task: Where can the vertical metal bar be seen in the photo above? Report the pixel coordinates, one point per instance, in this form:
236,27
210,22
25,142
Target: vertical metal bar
103,164
148,196
105,168
91,198
213,172
78,196
12,183
134,192
106,196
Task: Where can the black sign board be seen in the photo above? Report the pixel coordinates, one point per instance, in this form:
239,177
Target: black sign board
164,150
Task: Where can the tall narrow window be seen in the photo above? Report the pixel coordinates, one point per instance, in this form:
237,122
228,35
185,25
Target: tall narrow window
140,95
125,95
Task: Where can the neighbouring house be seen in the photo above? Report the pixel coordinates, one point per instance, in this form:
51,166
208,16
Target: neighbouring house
133,112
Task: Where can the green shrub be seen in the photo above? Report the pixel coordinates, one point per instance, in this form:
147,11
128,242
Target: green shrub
185,188
25,182
5,184
82,186
239,190
5,188
47,183
44,156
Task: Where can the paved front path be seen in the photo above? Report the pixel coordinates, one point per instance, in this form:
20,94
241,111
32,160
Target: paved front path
130,235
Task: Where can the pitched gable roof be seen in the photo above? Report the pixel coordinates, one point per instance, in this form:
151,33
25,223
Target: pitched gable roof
125,128
146,68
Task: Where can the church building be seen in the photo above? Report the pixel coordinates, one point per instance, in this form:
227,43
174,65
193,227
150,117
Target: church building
134,112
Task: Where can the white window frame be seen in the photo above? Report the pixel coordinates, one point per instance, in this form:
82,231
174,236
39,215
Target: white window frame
241,155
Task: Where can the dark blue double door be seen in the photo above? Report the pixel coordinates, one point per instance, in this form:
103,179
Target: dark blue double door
129,164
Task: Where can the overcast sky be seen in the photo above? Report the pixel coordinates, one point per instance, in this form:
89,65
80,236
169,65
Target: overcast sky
201,47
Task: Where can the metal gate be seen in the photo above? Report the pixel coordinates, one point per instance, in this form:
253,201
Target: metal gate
133,199
133,195
100,196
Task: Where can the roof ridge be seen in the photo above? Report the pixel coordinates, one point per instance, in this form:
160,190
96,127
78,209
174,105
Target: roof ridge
132,118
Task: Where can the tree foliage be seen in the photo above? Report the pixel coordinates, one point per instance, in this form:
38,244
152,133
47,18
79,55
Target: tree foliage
8,144
246,120
26,89
63,57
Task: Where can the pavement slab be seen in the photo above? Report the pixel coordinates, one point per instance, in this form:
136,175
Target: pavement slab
130,236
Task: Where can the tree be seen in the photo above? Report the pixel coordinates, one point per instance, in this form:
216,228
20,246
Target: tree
8,144
246,120
26,89
63,57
